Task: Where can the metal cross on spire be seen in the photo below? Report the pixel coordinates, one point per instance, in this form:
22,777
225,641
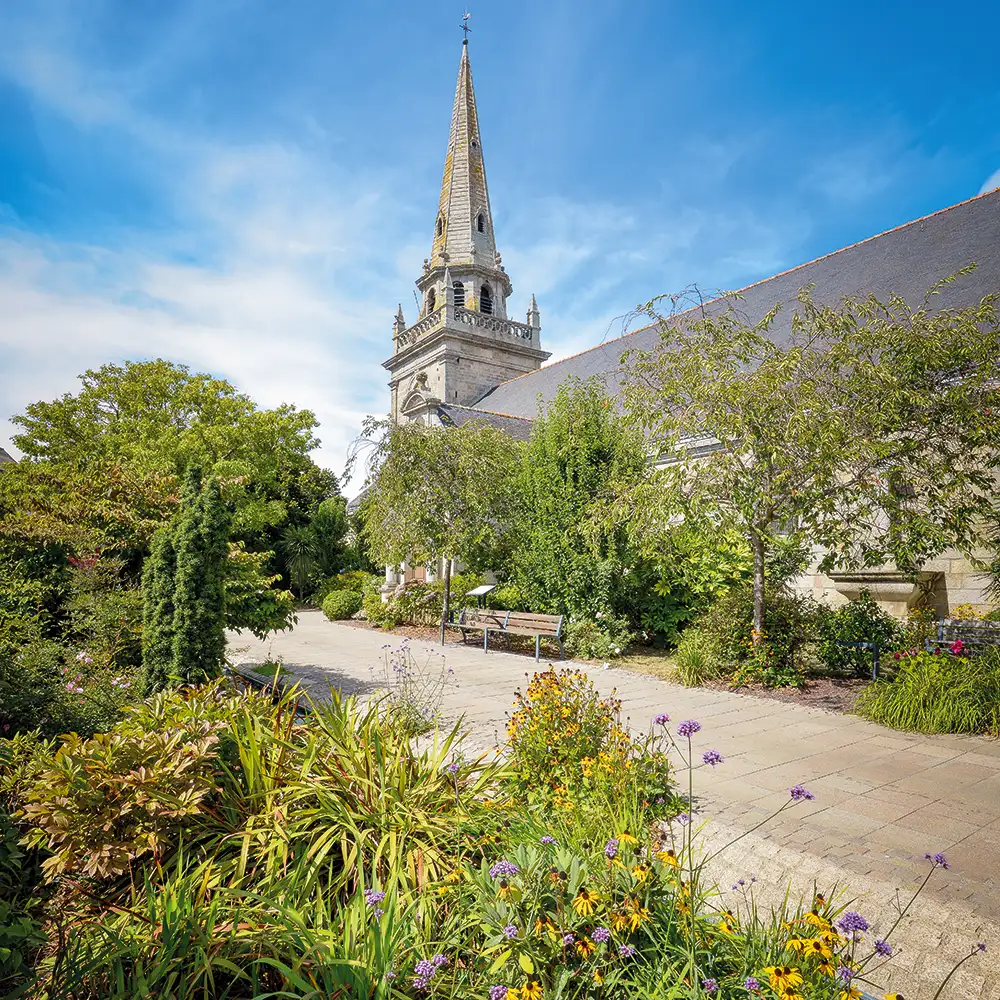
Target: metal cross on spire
465,24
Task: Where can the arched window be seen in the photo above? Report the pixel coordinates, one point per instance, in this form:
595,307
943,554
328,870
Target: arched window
481,222
485,300
459,290
431,301
439,229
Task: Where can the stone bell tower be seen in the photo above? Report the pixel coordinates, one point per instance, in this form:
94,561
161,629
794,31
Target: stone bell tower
462,344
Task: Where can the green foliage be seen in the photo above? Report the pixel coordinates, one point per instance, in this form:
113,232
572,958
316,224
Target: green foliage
341,604
697,659
158,588
382,614
107,801
604,639
687,567
937,692
854,417
253,600
184,614
777,659
440,494
352,579
861,620
564,561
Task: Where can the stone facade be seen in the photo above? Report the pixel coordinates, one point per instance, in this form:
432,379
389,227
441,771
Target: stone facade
463,344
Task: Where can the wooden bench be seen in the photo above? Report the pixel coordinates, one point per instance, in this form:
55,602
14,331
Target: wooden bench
972,633
487,620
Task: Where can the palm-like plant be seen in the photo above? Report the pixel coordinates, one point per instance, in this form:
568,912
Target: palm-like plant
298,546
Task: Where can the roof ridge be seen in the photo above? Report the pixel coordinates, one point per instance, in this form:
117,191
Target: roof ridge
760,281
479,409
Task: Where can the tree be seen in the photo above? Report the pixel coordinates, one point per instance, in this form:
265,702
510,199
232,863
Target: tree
298,546
201,545
580,451
866,429
158,584
437,493
184,595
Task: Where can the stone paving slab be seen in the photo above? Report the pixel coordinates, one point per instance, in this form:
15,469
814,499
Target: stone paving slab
883,798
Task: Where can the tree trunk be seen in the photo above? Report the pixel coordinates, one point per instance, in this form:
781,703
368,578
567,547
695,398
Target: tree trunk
446,603
757,544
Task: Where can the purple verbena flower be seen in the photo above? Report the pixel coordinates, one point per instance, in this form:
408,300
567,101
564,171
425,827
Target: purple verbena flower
425,967
498,992
390,974
421,982
378,913
547,840
883,948
611,848
852,922
600,935
373,897
798,793
626,951
688,728
454,767
845,974
750,984
980,946
937,860
502,868
682,818
439,960
661,720
510,932
712,757
709,985
567,940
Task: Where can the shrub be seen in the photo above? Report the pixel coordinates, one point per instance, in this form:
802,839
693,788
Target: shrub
382,614
106,801
861,620
353,579
44,686
937,692
341,604
790,624
696,659
597,640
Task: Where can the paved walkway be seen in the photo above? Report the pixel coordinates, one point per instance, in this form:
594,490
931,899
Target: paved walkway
883,798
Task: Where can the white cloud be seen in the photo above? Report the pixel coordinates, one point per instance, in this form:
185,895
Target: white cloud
991,183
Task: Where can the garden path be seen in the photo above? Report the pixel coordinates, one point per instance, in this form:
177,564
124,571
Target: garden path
883,798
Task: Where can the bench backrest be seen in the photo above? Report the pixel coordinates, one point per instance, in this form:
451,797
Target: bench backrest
972,633
483,616
529,621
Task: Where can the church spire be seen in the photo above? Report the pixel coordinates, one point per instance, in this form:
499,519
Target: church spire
463,230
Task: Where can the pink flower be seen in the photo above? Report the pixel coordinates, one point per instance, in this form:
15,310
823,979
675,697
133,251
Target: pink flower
956,647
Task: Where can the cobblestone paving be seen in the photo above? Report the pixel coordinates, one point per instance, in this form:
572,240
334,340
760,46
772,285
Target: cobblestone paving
883,798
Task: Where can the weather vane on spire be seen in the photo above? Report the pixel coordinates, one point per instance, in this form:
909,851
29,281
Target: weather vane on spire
465,24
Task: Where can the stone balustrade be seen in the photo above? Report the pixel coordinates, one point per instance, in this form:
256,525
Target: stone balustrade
430,322
495,324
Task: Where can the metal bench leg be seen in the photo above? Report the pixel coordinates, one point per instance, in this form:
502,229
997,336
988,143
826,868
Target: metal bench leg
562,652
538,647
486,639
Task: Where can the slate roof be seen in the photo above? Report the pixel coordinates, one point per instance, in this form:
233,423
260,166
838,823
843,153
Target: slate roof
4,457
518,428
905,261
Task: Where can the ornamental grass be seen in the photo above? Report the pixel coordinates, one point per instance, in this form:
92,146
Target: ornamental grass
216,844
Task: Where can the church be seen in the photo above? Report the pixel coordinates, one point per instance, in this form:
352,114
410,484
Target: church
463,358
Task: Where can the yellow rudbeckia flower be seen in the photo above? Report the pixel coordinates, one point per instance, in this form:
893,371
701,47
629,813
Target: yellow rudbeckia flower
585,902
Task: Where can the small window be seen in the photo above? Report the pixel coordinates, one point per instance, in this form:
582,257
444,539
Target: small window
481,222
431,301
485,300
459,290
440,225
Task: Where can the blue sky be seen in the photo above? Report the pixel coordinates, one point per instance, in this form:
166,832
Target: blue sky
249,187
